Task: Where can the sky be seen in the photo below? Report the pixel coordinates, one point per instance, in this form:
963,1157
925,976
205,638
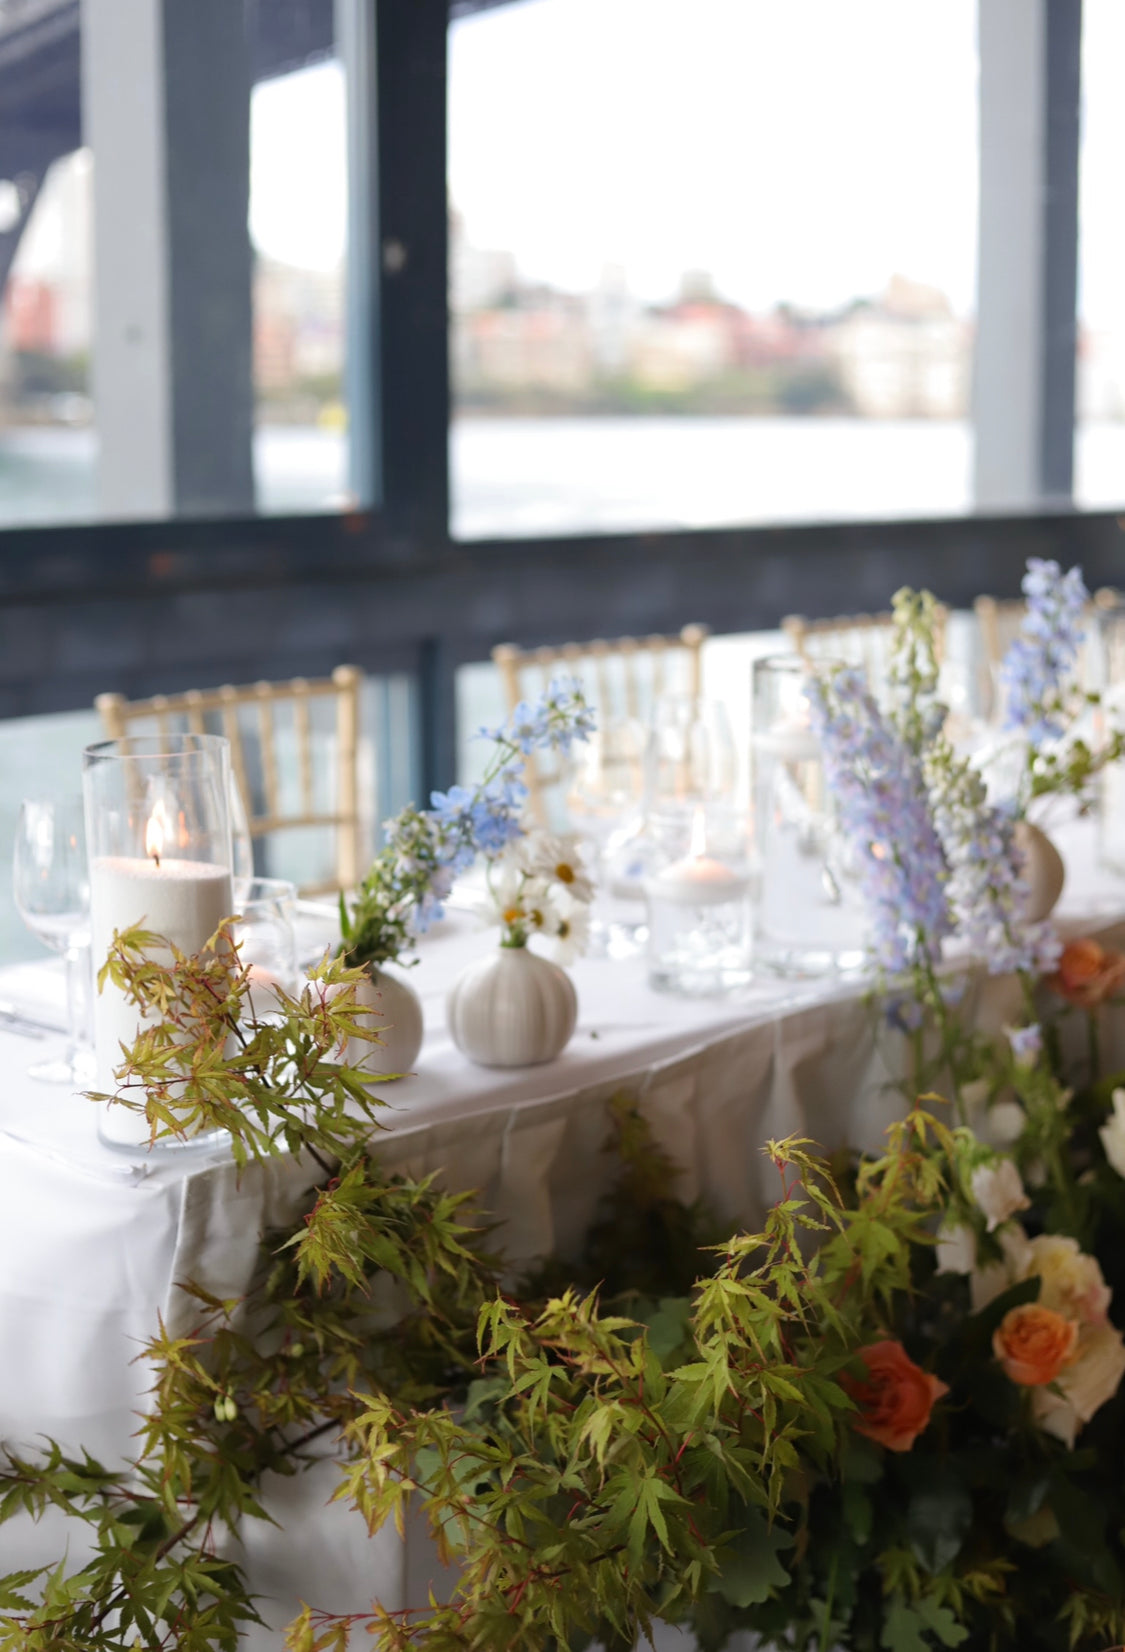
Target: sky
798,150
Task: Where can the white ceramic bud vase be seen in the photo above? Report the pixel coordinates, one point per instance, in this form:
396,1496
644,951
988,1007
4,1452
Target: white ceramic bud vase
512,1009
395,1011
1043,870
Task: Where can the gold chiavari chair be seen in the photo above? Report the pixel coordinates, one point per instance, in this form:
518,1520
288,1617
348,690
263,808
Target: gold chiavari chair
621,678
264,723
862,640
999,621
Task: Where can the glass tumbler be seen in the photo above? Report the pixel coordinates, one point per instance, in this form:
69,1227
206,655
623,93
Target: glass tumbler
808,917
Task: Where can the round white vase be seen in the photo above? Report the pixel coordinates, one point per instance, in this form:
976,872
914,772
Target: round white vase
395,1013
1043,870
512,1009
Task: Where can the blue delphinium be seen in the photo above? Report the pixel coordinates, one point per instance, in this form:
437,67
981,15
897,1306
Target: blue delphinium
986,889
557,719
875,781
1040,662
426,849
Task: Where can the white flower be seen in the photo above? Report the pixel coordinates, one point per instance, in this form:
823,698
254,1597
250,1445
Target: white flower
956,1249
556,860
998,1191
1112,1134
1003,1124
571,932
988,1282
1083,1386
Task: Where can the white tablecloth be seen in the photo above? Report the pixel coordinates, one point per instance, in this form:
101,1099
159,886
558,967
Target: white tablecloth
92,1244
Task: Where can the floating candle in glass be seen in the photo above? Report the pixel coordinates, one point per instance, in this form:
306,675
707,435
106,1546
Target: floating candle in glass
699,922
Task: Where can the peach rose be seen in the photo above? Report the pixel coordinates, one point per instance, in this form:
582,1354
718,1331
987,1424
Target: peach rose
1088,973
896,1399
1034,1344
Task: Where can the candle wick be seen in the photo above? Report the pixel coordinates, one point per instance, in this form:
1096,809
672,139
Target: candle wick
156,858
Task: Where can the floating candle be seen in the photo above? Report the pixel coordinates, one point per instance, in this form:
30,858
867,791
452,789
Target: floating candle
698,879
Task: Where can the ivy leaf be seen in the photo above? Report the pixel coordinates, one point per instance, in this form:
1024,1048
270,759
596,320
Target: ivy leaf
905,1627
749,1567
938,1520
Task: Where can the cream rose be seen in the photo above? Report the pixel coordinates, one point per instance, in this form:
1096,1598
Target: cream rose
998,1191
1084,1386
1072,1281
1112,1134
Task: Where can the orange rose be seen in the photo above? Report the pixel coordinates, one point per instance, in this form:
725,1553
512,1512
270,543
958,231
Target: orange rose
1034,1344
1088,973
896,1400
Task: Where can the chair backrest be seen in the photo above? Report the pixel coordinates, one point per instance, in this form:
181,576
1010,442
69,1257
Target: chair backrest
268,724
857,639
999,622
622,677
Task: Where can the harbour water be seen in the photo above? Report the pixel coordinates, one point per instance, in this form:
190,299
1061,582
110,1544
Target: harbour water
525,476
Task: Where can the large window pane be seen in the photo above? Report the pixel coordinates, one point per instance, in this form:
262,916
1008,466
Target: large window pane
711,262
65,408
1099,475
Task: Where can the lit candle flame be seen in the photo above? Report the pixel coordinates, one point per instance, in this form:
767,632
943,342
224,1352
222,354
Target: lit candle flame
156,831
698,835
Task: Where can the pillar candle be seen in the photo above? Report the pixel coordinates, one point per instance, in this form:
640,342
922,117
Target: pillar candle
183,900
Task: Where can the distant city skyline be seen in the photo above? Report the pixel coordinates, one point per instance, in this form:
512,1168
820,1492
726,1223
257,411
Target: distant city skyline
586,133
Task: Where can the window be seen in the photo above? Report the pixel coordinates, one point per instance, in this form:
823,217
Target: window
1099,479
710,264
154,359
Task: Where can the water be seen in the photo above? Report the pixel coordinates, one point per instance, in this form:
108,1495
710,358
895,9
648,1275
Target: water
513,477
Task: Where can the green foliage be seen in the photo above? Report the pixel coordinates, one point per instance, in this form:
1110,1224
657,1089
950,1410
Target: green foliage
654,1432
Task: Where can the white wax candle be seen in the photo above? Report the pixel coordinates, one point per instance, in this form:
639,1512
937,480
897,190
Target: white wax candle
699,880
183,900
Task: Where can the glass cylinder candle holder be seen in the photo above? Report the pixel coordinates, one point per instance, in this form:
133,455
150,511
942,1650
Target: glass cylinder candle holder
158,834
699,922
1110,681
808,919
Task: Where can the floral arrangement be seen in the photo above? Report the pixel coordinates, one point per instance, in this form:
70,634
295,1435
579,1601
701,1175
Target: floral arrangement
426,849
538,885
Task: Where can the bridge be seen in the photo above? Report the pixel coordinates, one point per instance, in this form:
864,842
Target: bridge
40,80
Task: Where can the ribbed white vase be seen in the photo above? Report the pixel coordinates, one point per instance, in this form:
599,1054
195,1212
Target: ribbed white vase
1043,870
512,1009
395,1011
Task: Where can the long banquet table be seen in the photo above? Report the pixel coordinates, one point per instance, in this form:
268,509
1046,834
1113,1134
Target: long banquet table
93,1244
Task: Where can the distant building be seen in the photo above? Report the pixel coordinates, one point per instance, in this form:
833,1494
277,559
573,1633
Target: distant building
904,355
298,324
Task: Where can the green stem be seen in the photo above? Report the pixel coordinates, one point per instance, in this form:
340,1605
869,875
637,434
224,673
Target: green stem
1093,1044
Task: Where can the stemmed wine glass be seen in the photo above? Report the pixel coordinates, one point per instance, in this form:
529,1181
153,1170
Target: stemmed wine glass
51,884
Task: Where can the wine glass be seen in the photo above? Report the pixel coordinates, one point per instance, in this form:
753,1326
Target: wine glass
604,806
266,939
691,757
51,884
